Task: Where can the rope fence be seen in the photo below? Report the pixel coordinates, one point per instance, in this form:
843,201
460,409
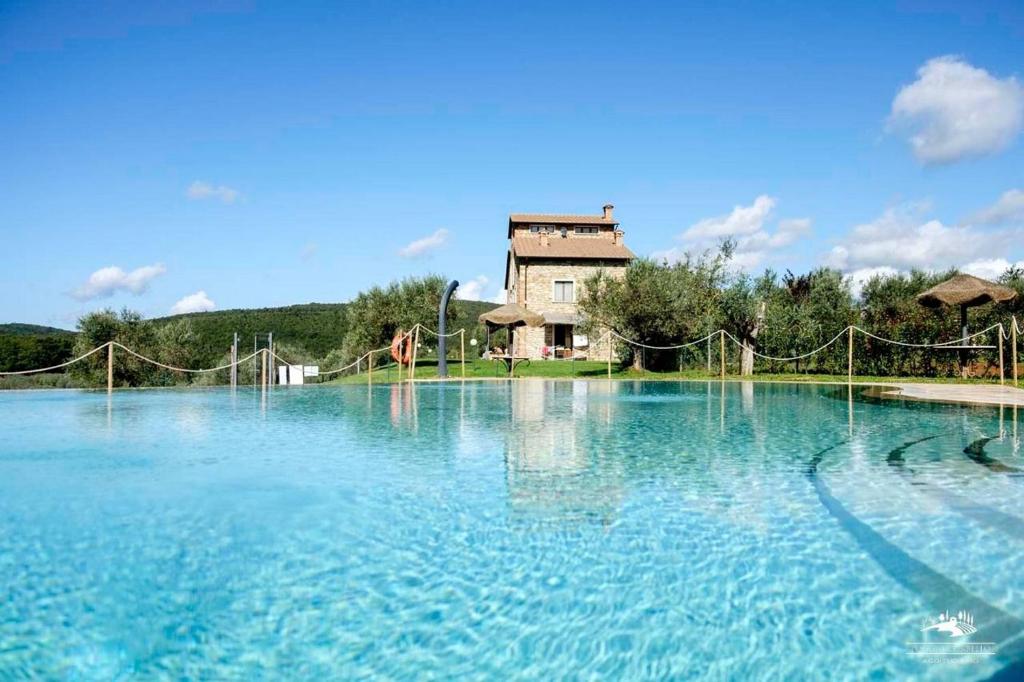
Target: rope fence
172,368
412,336
962,343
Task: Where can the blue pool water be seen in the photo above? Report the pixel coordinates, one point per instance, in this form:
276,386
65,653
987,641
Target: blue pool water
532,530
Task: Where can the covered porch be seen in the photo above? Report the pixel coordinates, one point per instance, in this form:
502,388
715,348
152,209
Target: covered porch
562,340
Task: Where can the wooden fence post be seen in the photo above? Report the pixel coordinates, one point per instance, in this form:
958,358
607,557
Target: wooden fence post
721,353
369,368
849,356
609,342
1013,349
110,366
415,354
462,350
1001,369
401,343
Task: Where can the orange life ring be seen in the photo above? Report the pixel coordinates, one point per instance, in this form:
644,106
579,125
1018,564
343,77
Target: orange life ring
401,348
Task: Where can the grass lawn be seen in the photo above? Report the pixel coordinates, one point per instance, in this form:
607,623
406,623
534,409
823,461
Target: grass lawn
560,369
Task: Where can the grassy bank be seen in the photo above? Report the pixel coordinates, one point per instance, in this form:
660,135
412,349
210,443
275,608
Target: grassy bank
483,369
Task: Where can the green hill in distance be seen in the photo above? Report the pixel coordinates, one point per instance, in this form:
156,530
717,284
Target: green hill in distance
317,328
31,346
22,329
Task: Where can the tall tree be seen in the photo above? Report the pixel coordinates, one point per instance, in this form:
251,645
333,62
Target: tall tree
744,305
127,328
374,315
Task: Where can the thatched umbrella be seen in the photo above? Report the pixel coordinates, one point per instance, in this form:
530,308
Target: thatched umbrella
965,291
511,315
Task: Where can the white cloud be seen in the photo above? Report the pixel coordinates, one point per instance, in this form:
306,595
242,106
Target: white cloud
1008,209
905,237
787,232
742,220
473,290
200,190
986,268
861,276
901,237
476,290
107,281
501,298
198,302
954,110
424,245
746,225
990,268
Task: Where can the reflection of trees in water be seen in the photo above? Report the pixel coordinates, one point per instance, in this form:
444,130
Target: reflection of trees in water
577,451
574,452
753,477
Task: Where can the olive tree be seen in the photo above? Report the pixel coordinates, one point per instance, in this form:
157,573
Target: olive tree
656,304
375,314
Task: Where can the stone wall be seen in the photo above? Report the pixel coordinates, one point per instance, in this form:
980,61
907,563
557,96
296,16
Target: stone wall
535,290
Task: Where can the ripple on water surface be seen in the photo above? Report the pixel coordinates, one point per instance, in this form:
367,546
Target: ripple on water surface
531,529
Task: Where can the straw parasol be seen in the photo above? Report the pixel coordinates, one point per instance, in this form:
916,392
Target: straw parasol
511,315
965,291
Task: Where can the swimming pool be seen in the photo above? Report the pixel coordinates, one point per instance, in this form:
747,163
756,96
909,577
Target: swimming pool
532,529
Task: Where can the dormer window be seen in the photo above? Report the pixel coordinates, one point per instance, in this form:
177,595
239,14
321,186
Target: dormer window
585,229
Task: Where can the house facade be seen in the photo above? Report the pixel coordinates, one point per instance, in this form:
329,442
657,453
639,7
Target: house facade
550,257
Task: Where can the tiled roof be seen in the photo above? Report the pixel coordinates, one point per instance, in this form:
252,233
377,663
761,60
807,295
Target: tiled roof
551,219
589,248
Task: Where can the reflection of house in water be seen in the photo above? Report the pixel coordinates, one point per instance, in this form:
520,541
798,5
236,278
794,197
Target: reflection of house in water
554,468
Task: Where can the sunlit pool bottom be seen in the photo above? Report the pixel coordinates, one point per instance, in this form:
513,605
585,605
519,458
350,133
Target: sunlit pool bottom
528,529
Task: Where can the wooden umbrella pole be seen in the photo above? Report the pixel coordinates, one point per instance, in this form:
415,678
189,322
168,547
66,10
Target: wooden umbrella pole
110,366
849,356
462,350
369,368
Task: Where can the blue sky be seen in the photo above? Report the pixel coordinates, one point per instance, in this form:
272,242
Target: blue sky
269,154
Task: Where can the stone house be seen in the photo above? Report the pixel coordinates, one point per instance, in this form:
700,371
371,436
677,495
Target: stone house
549,259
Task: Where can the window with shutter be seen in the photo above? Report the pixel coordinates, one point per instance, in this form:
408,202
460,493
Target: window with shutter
562,291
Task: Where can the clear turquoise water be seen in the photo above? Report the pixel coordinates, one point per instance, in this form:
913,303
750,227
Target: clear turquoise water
531,530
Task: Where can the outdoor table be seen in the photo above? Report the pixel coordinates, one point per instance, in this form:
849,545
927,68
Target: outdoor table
509,361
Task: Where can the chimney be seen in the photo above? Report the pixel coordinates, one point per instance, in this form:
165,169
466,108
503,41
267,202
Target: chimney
543,238
608,211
